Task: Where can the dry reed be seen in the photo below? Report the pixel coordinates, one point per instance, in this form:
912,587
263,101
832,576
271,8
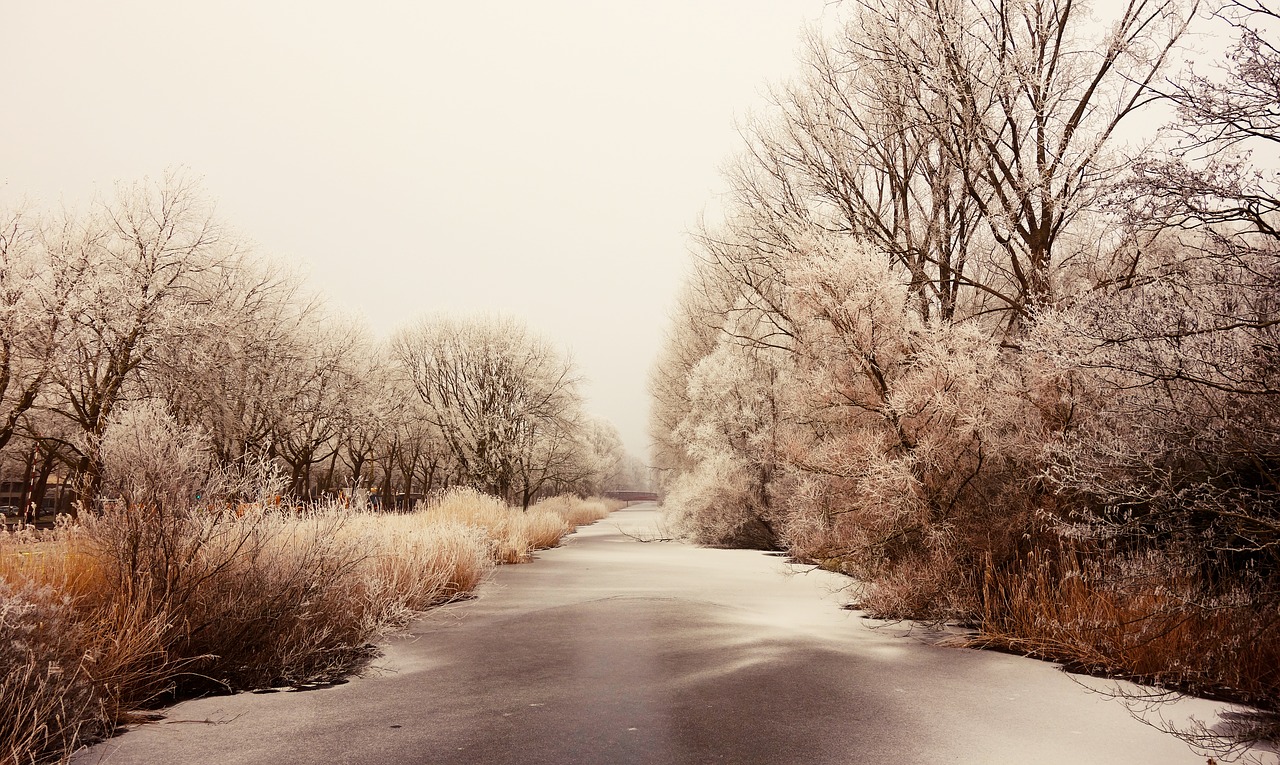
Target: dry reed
136,606
516,534
577,511
1137,618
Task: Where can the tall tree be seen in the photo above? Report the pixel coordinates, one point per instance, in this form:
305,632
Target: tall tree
150,248
41,265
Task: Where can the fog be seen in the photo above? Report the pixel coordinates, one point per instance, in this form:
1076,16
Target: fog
540,160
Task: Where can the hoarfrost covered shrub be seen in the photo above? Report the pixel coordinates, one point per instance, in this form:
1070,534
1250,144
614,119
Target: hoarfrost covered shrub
1182,446
732,431
247,601
713,504
134,606
861,436
914,441
150,460
412,564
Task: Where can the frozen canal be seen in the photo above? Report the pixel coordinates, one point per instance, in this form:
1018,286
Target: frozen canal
611,651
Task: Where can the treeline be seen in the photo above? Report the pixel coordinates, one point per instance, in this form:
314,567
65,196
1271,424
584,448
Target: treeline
954,337
145,329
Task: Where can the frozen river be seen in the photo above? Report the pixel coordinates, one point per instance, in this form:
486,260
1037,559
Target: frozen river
609,651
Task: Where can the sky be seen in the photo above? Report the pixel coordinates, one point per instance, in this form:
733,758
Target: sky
543,160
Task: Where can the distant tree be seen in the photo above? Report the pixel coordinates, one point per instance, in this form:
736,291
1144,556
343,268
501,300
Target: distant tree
604,456
418,454
695,328
226,375
504,400
316,394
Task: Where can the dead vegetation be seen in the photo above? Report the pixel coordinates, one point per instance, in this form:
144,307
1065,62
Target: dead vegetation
142,605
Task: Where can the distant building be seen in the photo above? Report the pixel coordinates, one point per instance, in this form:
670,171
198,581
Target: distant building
14,494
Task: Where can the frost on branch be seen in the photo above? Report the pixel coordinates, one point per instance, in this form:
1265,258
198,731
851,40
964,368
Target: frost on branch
151,461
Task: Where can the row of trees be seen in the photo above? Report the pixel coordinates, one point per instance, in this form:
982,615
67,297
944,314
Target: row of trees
951,326
146,316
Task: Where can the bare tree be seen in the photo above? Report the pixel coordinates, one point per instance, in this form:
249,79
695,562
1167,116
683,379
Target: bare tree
148,250
315,394
505,401
223,376
1208,177
971,140
40,267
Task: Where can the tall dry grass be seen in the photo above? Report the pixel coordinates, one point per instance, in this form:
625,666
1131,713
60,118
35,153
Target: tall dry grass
577,511
1135,617
137,606
516,534
48,701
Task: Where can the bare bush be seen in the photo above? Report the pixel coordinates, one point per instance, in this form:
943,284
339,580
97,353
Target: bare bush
150,460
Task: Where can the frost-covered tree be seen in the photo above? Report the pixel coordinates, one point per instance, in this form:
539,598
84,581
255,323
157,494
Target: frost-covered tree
316,395
1181,451
148,251
734,419
604,457
969,140
225,375
152,461
693,334
419,458
934,177
41,266
504,400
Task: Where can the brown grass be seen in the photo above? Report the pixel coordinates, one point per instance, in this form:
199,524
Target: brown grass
142,605
1140,619
577,511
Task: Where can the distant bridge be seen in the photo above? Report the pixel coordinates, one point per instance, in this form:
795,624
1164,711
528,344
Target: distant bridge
633,496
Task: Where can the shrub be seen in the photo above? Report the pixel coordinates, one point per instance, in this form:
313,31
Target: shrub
140,604
717,504
158,597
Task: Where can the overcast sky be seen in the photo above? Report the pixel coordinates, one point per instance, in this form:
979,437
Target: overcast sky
541,159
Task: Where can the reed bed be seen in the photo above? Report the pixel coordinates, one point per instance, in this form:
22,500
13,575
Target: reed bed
1139,618
135,607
